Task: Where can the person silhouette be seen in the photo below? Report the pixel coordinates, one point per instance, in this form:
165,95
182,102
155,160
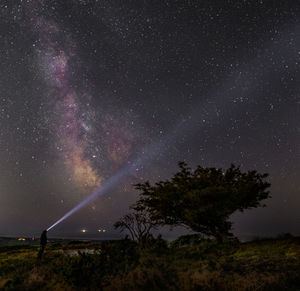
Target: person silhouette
43,242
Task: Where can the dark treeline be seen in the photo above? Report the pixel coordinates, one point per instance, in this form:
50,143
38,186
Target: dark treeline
201,200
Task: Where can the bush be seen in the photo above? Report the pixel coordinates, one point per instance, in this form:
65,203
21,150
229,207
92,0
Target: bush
186,240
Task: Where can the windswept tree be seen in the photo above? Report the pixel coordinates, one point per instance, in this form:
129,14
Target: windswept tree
138,224
203,199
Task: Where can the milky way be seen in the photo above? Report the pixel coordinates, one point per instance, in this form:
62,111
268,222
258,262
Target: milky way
73,118
91,87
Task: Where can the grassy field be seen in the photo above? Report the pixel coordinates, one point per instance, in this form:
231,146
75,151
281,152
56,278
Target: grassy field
272,264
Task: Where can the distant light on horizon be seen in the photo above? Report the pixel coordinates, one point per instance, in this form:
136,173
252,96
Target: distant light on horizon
83,230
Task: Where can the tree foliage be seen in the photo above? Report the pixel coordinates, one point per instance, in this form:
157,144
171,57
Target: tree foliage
203,199
138,224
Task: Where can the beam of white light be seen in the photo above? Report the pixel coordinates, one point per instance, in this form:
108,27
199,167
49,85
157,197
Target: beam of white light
104,188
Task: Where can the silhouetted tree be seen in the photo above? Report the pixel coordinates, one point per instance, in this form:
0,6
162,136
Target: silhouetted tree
203,199
138,224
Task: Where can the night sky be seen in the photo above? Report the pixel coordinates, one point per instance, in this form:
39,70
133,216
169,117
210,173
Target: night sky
88,87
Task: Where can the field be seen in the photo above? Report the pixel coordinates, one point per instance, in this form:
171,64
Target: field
271,264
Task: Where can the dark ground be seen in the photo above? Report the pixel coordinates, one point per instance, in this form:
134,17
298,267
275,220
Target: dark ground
270,264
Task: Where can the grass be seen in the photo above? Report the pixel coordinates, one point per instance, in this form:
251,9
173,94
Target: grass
272,264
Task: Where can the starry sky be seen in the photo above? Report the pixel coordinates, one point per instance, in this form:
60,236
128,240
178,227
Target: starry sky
86,87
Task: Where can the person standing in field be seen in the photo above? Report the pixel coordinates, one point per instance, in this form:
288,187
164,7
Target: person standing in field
43,242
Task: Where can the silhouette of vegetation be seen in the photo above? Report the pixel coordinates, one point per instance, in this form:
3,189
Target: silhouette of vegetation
272,264
138,224
187,240
203,199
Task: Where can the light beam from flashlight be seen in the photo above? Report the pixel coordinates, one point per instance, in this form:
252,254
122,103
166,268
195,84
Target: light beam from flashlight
104,188
122,174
